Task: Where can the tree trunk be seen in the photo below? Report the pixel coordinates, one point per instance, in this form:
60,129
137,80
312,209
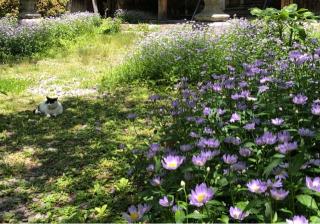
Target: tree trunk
95,6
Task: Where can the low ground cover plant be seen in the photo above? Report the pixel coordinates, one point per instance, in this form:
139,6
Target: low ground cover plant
20,40
234,144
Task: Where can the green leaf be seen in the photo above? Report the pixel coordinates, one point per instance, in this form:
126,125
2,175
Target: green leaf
196,215
315,219
224,219
286,211
275,218
242,204
179,216
307,201
268,211
296,164
267,171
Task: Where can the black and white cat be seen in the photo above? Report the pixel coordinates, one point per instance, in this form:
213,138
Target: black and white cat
50,107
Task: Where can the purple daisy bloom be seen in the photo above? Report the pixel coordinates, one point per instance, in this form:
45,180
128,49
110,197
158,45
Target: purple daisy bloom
201,195
237,213
165,202
267,138
263,89
199,160
284,136
298,219
150,168
245,152
232,140
131,116
207,111
136,213
286,147
257,186
154,147
235,117
277,121
279,194
176,208
300,99
230,159
250,126
210,154
172,162
305,132
156,181
313,184
315,110
185,148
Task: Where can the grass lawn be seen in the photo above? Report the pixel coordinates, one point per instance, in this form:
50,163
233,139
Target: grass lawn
72,168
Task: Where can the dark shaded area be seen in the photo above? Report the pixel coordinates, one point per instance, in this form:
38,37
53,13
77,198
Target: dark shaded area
72,145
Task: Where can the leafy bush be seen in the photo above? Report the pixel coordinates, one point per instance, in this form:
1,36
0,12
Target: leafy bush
19,40
110,25
51,7
288,18
9,7
134,16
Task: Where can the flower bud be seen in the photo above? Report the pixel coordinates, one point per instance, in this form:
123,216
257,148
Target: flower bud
182,183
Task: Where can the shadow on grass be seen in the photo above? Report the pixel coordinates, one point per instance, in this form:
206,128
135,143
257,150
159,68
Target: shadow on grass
62,168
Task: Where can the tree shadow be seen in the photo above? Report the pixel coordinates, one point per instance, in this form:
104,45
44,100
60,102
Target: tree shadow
66,166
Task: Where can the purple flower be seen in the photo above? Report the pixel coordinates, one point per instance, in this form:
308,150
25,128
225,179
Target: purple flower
176,208
154,147
154,97
257,186
245,152
277,121
165,202
210,154
132,116
297,219
207,130
267,138
279,194
232,140
313,184
172,162
305,132
250,126
286,147
237,213
239,166
136,213
278,183
300,99
284,136
221,111
208,143
185,148
235,117
315,110
201,195
230,159
156,181
207,111
150,168
263,89
199,160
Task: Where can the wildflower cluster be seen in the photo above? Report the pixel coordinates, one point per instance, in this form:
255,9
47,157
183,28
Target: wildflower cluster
241,145
17,40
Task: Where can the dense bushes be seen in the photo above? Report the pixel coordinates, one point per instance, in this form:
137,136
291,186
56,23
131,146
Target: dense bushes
52,7
26,39
9,7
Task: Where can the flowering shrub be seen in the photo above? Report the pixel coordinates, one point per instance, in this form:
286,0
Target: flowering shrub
238,146
9,7
18,40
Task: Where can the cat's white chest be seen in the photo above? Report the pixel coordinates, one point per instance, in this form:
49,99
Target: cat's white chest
50,109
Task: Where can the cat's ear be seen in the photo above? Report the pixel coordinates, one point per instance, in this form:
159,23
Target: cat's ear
48,98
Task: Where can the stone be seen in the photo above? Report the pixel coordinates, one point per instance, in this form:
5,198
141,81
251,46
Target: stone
27,10
212,12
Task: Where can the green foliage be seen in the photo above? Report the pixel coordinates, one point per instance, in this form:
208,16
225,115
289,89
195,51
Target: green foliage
9,7
289,19
51,7
110,26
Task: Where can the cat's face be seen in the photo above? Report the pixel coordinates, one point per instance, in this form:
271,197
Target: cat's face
51,100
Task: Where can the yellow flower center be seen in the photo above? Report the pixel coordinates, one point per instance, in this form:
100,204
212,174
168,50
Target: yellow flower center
200,197
172,164
134,216
255,188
